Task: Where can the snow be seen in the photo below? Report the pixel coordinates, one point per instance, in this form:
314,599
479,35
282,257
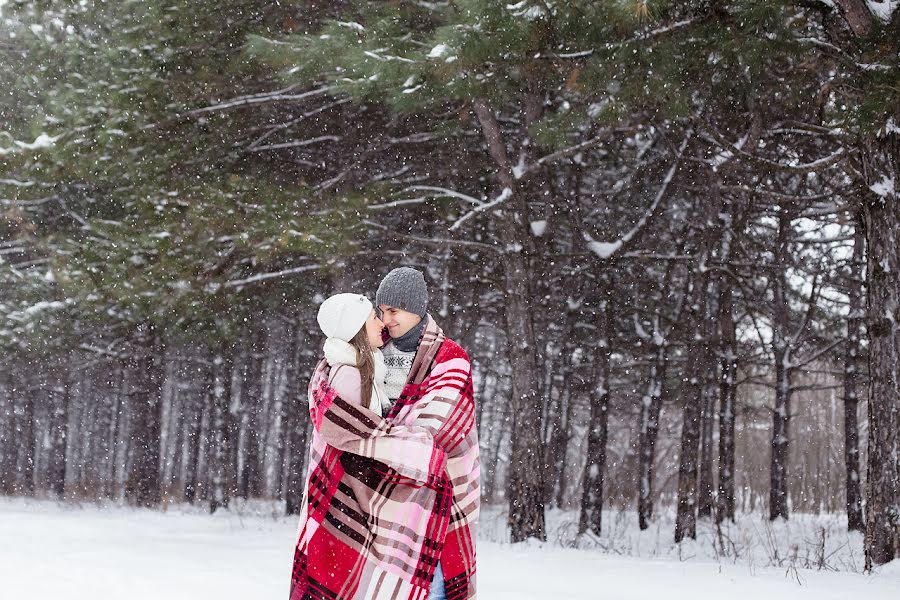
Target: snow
41,141
351,25
889,127
529,13
883,9
88,552
884,188
604,249
441,51
538,227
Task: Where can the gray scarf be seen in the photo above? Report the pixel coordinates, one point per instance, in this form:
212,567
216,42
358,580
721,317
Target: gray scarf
409,341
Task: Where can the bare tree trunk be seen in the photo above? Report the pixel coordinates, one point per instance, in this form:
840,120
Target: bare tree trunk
221,476
706,495
26,458
727,408
855,520
706,484
297,416
781,350
526,479
591,516
59,428
193,452
142,483
651,405
9,441
689,458
559,468
882,221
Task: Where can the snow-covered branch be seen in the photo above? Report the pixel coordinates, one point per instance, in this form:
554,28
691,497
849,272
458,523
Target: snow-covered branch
243,101
437,193
447,192
296,143
644,35
606,250
803,168
503,197
554,156
266,276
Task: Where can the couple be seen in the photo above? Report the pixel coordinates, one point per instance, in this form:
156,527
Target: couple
392,491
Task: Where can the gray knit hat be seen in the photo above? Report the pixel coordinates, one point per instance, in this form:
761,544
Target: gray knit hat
404,288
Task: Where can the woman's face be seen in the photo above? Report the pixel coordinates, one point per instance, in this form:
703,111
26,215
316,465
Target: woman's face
374,327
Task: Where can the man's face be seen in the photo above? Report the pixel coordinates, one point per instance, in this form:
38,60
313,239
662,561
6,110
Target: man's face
397,320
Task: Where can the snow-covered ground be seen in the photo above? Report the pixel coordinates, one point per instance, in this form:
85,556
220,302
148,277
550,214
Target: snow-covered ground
48,550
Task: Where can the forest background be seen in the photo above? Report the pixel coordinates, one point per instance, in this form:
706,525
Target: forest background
666,233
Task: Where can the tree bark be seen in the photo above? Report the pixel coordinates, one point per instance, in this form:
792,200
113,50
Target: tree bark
26,459
142,483
297,416
221,475
855,520
706,495
781,350
882,222
727,408
59,426
9,443
689,458
651,405
591,516
526,480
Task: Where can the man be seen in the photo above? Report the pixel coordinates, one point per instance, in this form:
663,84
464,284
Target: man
402,300
391,503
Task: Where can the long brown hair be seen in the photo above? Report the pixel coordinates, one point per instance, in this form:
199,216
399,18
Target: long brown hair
365,363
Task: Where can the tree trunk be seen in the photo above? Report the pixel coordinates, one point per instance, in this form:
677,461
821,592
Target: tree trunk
192,452
855,520
706,496
526,479
26,458
562,482
9,443
297,416
651,405
689,458
221,476
142,483
882,222
727,408
781,350
594,468
59,427
706,484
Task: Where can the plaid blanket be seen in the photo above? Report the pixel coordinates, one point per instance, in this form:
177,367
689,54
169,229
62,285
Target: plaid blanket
387,498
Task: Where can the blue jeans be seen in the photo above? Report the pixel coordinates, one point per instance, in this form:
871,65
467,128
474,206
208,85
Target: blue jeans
437,591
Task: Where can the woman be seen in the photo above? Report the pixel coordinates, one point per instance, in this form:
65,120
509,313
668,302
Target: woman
376,506
357,369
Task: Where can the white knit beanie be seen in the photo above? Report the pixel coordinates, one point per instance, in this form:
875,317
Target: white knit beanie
343,315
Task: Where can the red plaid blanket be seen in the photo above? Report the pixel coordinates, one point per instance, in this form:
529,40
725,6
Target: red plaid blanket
387,498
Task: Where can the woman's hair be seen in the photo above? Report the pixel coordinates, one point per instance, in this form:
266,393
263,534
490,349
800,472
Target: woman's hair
365,363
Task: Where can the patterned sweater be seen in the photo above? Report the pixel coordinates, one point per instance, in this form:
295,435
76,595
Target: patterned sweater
399,364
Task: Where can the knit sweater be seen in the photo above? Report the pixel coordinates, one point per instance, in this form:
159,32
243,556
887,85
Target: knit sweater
398,358
399,364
